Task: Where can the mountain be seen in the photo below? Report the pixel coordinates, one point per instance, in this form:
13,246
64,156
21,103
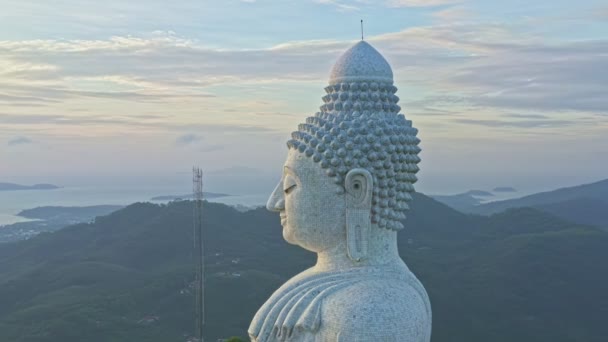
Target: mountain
586,204
504,189
12,186
479,193
464,202
597,190
520,275
590,211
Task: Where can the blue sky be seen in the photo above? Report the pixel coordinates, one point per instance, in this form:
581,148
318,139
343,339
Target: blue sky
503,93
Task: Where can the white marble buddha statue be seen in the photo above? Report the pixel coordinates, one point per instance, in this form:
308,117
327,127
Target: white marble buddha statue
345,188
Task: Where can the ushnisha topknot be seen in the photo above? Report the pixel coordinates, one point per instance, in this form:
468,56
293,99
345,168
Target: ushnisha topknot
359,126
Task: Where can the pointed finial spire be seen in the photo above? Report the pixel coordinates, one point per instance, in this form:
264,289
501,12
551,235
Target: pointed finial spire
361,29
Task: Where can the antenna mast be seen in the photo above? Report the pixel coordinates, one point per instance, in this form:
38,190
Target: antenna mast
199,252
361,29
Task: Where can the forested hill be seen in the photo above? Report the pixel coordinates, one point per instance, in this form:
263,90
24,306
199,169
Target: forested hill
521,275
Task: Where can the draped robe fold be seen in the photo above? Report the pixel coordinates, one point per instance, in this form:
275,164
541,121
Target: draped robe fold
293,312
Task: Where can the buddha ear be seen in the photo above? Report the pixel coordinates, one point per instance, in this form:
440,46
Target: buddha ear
359,184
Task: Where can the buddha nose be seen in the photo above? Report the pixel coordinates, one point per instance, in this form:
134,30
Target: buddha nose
276,202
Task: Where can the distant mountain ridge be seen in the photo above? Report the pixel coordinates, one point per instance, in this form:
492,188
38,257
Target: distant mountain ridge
586,204
597,190
13,186
520,275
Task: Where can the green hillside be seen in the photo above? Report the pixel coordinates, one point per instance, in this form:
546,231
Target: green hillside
521,275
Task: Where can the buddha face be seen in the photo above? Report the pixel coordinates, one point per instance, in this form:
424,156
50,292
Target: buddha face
311,210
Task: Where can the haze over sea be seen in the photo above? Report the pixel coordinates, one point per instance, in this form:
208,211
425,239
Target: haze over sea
12,202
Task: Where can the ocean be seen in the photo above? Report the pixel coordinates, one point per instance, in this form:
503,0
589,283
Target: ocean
12,202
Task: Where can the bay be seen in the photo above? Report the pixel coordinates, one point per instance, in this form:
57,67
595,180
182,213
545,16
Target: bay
12,202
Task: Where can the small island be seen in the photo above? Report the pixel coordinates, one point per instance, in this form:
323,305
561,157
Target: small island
479,193
13,187
68,214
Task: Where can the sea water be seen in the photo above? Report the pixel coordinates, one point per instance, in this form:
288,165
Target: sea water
12,202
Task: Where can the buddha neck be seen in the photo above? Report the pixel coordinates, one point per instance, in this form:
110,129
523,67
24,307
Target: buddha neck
382,251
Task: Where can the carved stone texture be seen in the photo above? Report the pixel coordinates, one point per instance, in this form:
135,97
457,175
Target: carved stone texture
346,185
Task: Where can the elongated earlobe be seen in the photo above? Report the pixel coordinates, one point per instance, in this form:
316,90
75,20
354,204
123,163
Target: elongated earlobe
358,184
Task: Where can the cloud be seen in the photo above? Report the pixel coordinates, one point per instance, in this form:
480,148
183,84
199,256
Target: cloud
526,116
188,139
540,77
152,69
19,141
420,3
78,120
197,140
489,66
600,13
429,111
211,148
237,171
516,124
340,5
453,14
156,121
27,100
472,64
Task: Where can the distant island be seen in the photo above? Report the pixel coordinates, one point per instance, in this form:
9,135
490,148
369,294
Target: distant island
12,187
206,195
465,201
74,214
504,189
479,193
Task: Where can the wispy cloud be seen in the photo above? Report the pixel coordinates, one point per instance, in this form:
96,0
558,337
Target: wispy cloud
19,141
526,116
453,14
516,124
198,143
490,65
133,121
78,120
339,5
600,13
420,3
188,139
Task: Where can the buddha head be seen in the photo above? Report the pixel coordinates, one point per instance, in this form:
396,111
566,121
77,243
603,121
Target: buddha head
351,167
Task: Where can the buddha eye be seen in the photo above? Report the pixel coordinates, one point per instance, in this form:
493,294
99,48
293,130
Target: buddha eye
289,184
289,189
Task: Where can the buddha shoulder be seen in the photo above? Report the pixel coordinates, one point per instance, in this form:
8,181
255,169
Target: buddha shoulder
377,310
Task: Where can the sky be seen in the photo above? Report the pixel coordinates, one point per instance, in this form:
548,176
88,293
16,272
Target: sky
504,93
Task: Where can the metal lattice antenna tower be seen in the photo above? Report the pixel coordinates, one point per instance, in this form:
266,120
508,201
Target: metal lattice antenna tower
199,252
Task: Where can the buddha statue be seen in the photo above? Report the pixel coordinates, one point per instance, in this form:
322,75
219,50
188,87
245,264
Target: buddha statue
344,192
